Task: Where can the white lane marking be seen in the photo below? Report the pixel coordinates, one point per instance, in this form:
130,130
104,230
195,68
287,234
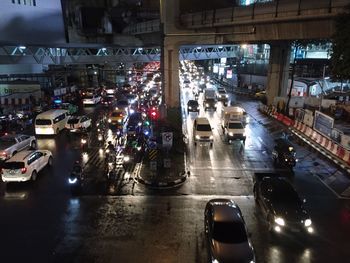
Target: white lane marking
259,138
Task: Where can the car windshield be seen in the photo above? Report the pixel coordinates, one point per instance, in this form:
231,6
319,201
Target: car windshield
229,232
117,114
123,103
73,121
13,165
235,125
42,122
192,103
203,127
88,97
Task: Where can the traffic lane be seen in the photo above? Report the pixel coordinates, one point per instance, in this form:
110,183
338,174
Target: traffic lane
171,229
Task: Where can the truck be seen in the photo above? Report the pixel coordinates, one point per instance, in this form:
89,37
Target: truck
233,120
13,143
209,101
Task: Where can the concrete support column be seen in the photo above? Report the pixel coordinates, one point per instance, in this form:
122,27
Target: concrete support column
278,71
171,74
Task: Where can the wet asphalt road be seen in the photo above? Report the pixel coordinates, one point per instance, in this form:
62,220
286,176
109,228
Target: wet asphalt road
42,222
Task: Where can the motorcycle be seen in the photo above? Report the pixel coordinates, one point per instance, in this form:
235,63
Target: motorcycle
284,153
75,179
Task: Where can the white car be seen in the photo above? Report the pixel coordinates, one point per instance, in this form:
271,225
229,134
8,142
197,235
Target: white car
202,131
78,123
25,165
91,99
11,144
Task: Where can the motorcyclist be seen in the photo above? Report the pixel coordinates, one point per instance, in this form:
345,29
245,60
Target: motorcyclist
110,146
75,178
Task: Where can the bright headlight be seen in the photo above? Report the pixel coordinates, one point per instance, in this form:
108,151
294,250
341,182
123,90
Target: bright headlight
279,221
83,141
119,121
230,133
226,96
207,104
198,137
286,160
308,222
244,134
72,180
215,261
211,137
109,120
126,158
190,107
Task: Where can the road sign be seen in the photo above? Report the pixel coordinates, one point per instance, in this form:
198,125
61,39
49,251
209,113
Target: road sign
167,138
167,163
152,155
153,165
153,145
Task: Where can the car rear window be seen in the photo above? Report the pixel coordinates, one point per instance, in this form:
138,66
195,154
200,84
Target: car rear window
42,122
13,165
229,232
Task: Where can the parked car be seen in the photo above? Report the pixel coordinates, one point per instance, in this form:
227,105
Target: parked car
25,165
226,233
280,204
11,144
78,123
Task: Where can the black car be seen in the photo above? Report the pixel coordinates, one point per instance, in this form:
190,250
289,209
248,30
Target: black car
192,106
280,204
209,104
284,153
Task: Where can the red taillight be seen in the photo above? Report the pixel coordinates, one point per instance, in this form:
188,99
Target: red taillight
24,170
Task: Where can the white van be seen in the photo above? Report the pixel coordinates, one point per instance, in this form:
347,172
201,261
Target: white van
50,122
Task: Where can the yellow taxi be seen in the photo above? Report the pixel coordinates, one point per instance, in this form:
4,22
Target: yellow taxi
117,117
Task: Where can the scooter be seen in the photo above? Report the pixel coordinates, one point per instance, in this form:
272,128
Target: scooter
75,179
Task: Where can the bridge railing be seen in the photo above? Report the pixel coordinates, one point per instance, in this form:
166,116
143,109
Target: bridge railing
264,12
144,27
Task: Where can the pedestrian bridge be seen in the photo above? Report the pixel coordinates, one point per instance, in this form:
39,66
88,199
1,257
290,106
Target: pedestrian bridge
101,55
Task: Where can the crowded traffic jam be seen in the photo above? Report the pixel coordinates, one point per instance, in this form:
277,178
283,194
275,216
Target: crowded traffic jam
118,123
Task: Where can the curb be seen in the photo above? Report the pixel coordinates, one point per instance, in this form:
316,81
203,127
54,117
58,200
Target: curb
163,185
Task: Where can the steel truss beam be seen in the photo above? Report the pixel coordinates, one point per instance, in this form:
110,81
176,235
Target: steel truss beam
64,56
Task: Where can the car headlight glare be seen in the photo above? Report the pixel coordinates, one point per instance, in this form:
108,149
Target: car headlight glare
190,107
198,137
308,222
109,120
126,158
286,160
279,221
230,133
244,134
207,105
215,261
211,137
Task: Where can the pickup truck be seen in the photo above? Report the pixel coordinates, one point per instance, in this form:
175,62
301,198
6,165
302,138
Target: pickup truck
12,144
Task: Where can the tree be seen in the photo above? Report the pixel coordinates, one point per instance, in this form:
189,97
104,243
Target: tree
340,56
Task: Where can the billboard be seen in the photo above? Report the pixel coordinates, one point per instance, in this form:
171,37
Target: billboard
323,123
229,74
32,22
